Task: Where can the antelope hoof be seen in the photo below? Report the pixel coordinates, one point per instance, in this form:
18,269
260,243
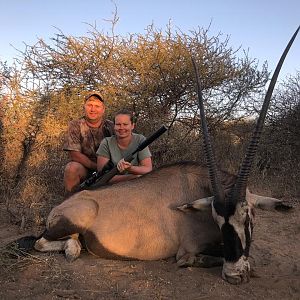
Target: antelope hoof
187,260
72,250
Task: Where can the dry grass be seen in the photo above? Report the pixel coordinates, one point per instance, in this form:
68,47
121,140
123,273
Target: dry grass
12,259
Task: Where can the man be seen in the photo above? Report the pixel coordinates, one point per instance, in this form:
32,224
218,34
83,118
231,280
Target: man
83,139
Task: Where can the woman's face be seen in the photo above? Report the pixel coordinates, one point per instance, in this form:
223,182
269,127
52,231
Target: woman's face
123,126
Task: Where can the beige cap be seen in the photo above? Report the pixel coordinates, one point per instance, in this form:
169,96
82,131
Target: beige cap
93,93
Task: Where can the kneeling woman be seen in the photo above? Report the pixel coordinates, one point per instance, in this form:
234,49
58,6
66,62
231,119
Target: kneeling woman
123,143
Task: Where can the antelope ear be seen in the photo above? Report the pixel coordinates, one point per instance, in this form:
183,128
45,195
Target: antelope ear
199,205
267,203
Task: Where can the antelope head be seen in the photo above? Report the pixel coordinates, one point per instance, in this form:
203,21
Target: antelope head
231,210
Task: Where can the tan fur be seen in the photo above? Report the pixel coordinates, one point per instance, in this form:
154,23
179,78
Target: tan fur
139,219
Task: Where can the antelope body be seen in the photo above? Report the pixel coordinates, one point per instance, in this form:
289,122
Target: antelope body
140,219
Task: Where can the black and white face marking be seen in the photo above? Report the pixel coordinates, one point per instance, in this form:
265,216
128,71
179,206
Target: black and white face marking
236,227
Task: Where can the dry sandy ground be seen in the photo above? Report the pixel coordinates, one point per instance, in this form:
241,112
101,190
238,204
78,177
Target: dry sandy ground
274,256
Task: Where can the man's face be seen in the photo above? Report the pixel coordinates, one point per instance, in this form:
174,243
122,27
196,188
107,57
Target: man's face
94,109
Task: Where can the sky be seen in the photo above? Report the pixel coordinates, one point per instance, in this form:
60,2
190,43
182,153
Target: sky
261,27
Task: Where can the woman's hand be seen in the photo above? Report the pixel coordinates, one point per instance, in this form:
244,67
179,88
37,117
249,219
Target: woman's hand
123,165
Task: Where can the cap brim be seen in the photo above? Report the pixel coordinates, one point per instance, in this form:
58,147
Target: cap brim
94,94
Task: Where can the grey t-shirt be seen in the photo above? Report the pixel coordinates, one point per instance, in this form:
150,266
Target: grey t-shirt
109,148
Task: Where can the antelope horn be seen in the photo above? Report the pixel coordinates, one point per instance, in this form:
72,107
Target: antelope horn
218,190
239,190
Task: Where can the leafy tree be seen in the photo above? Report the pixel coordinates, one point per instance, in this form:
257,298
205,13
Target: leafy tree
280,148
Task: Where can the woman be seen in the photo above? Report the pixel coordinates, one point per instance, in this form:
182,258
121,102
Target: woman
123,143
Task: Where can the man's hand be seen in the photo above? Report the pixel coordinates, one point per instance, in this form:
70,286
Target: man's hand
82,159
123,165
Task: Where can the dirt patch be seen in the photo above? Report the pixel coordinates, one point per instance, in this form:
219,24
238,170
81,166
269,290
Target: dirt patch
275,258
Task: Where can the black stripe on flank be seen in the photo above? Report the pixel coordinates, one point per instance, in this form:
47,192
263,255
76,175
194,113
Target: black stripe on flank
62,228
233,249
95,247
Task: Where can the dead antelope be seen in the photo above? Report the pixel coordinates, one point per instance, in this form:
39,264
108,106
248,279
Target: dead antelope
178,210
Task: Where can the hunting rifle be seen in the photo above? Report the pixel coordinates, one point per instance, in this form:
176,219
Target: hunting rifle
110,170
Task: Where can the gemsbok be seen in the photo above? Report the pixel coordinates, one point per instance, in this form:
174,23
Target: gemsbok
183,210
